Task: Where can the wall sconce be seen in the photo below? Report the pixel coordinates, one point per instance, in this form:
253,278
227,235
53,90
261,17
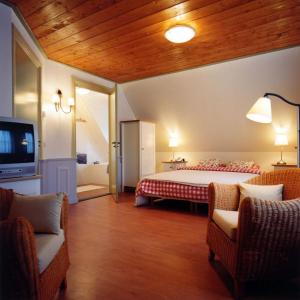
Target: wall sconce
56,99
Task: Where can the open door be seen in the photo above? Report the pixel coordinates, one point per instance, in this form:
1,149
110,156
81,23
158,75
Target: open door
114,147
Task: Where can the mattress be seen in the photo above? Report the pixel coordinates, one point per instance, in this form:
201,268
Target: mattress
186,184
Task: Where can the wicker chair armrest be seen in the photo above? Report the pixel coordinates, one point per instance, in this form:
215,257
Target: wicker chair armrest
6,198
18,260
223,196
268,239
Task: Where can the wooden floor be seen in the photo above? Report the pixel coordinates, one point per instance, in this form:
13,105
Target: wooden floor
121,252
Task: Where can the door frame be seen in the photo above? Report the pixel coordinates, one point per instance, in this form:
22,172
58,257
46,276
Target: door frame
101,89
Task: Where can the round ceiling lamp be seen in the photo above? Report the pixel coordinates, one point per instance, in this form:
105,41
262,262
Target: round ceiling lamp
180,34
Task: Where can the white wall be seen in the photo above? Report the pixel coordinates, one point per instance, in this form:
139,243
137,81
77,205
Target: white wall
92,135
5,62
97,106
57,127
124,110
207,106
263,159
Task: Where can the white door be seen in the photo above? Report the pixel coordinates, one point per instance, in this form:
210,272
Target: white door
130,153
147,149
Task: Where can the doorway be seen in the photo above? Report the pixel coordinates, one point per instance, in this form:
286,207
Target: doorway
92,140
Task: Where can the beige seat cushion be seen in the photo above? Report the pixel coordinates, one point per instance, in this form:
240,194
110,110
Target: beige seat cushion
43,211
227,220
47,246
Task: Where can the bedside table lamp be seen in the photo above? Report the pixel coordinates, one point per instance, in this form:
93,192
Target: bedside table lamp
281,140
173,143
261,112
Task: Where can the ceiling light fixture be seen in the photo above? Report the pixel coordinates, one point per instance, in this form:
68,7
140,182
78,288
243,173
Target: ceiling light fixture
180,34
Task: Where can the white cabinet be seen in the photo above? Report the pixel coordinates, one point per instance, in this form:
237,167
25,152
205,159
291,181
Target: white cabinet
30,185
137,152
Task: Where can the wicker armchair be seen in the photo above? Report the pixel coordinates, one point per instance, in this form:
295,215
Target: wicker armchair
267,241
19,276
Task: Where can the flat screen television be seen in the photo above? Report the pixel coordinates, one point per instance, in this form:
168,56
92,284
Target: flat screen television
18,148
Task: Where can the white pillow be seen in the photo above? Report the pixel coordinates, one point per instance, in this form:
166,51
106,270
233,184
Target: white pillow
43,211
263,192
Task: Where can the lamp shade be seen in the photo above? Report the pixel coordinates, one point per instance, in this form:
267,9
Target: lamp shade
281,140
71,101
261,111
180,34
173,142
55,98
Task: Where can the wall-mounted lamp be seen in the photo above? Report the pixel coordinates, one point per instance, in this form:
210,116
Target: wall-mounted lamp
56,99
261,112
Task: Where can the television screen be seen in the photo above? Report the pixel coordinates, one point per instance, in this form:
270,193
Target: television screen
16,143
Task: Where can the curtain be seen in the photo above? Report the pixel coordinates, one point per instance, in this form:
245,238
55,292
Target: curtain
5,141
29,140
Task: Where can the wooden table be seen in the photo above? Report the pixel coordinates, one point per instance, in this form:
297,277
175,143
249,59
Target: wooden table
283,167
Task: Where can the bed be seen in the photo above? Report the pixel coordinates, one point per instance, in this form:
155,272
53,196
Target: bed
189,183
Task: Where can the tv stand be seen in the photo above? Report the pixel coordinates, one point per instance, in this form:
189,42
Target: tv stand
28,185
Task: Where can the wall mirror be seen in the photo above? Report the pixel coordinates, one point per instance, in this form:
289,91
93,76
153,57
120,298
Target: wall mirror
26,82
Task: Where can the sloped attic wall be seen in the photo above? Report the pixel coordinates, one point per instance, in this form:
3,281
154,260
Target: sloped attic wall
207,107
92,126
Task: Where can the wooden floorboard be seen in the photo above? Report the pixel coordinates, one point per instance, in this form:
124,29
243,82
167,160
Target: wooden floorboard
119,251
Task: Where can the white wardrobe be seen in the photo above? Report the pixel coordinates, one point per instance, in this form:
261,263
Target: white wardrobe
137,152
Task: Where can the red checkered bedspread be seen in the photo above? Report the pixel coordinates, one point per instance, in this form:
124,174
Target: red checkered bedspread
172,190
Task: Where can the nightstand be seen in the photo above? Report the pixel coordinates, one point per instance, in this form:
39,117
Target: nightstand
282,167
173,165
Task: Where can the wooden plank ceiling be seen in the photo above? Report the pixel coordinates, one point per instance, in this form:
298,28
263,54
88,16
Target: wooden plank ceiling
123,40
